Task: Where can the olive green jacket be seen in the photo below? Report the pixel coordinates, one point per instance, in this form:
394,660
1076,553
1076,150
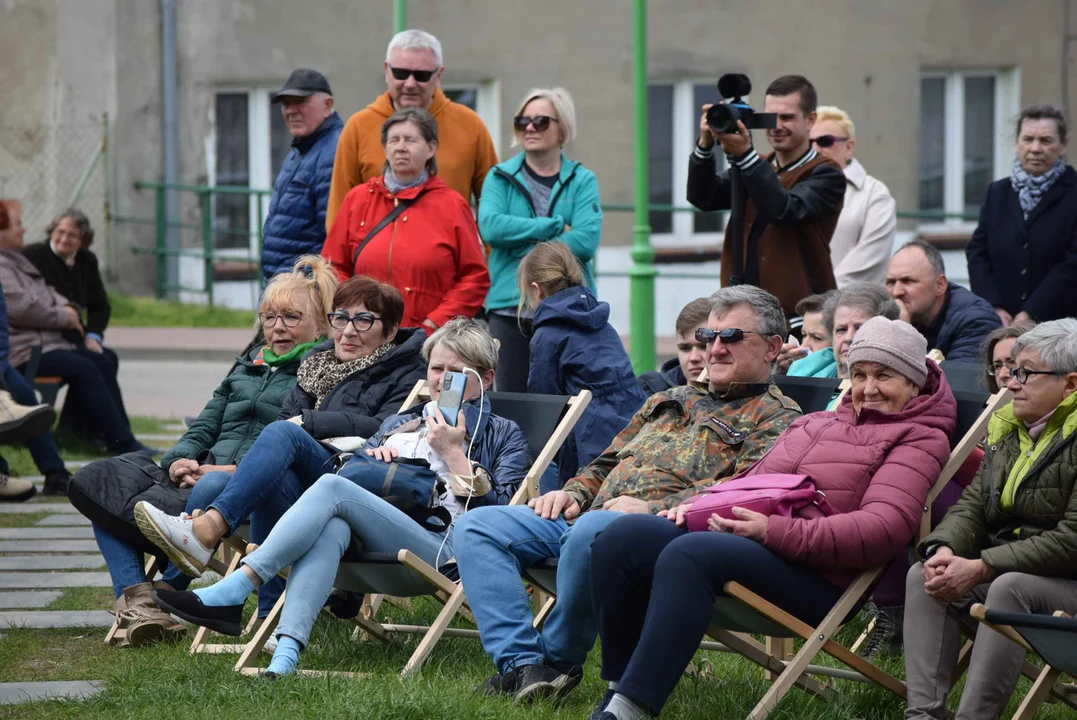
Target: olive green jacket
1020,512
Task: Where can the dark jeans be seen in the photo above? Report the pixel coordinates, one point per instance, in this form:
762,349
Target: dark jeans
94,403
514,357
42,447
653,586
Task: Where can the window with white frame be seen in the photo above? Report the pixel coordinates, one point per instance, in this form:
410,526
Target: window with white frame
965,139
673,126
485,99
249,144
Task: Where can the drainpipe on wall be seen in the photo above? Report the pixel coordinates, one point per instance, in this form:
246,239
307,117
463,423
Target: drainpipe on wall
170,142
400,16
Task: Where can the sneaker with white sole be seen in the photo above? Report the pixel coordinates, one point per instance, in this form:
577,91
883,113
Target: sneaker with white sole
175,535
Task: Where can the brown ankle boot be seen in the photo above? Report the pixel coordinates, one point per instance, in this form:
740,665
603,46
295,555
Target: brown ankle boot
143,620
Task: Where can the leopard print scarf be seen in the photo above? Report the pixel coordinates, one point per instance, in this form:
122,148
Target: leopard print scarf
322,372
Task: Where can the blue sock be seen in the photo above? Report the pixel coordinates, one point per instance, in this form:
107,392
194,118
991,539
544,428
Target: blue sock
285,657
232,590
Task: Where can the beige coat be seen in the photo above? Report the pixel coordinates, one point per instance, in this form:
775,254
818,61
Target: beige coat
36,314
862,242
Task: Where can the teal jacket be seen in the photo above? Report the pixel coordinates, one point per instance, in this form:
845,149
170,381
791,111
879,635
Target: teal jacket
820,364
508,224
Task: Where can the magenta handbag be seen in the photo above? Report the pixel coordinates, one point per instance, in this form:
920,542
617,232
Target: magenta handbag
775,494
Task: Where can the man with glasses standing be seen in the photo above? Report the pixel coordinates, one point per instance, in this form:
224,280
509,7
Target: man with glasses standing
864,237
680,442
413,70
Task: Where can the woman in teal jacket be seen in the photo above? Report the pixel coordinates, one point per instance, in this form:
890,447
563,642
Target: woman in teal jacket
536,196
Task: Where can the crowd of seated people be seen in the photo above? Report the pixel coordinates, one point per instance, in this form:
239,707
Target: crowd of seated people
302,436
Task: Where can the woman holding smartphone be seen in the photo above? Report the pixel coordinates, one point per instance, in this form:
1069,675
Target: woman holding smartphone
480,461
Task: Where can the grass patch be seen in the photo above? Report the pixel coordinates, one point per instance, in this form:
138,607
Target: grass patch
84,598
23,520
130,311
21,463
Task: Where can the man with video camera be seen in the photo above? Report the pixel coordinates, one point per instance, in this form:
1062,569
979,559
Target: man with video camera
790,199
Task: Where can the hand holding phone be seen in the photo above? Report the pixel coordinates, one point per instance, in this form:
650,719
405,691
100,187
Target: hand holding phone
451,397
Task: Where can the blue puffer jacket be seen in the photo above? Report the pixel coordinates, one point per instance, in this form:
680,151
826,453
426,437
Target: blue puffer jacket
500,447
295,224
575,348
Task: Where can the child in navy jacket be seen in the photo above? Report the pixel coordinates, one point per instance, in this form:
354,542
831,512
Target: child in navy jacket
575,348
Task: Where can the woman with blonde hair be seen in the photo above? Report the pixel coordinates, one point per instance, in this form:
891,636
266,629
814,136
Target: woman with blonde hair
575,348
536,196
294,318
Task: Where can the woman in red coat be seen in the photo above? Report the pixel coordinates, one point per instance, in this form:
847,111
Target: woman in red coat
429,249
875,458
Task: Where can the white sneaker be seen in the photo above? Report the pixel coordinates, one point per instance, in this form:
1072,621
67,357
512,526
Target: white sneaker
174,535
271,645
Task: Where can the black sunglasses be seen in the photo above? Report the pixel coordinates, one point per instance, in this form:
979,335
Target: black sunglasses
825,141
541,122
419,75
729,336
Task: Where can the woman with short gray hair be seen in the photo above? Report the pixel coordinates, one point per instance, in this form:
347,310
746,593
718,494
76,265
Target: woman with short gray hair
1008,542
538,195
476,347
438,264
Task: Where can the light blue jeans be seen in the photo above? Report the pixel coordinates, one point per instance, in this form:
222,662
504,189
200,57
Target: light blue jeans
315,532
127,566
494,545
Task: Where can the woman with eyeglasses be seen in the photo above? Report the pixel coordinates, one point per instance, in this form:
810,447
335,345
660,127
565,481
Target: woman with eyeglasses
346,388
536,196
408,229
998,349
293,316
1008,542
861,244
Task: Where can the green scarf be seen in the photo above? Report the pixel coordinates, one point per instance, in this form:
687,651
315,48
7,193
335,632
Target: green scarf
273,360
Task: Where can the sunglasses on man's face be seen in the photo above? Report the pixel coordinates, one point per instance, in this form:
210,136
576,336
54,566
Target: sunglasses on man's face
419,75
541,122
729,336
825,141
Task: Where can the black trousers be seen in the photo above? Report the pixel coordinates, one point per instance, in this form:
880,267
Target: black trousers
514,357
654,584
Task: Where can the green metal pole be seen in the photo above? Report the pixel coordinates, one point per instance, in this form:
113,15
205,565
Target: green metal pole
162,268
207,245
400,15
642,273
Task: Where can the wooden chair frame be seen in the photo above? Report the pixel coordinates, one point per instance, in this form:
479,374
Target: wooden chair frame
448,592
799,670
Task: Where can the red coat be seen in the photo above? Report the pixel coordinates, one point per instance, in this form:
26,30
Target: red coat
431,252
876,471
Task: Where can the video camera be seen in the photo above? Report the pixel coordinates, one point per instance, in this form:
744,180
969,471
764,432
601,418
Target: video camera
723,117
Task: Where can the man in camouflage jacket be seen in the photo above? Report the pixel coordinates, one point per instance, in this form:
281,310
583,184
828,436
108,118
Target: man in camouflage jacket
680,442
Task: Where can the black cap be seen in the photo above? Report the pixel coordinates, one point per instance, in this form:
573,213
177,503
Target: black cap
303,83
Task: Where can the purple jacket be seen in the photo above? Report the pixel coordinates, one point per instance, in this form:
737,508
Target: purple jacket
876,471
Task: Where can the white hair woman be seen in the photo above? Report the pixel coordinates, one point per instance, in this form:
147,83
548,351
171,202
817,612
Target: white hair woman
538,195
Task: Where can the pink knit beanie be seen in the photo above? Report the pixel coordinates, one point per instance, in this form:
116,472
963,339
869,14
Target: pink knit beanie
893,343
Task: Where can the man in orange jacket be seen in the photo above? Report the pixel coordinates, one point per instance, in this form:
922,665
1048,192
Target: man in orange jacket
413,69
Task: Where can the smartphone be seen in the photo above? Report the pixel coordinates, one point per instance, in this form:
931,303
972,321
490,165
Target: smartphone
452,395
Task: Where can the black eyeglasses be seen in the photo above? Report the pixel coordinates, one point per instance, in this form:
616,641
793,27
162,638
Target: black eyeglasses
825,141
729,336
1021,374
290,319
361,321
541,122
419,75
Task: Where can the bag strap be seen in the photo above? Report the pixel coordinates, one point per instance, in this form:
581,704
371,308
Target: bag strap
401,206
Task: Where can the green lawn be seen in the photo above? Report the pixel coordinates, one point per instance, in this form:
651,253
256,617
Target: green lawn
130,311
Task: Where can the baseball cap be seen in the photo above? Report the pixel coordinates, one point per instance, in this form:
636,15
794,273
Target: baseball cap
303,83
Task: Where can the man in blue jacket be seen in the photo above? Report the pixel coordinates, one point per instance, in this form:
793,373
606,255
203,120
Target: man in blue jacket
952,319
295,224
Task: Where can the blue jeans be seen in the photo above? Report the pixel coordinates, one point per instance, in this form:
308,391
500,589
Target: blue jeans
314,534
494,545
42,447
127,566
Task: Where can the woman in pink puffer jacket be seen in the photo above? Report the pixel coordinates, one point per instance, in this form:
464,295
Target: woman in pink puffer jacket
875,457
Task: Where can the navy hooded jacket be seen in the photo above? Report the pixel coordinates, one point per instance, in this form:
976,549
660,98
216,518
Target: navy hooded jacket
575,348
962,326
295,224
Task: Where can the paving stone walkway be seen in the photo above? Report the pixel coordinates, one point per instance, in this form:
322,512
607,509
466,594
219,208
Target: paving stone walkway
15,693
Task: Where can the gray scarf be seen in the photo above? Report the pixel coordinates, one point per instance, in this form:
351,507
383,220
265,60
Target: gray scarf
394,186
1030,189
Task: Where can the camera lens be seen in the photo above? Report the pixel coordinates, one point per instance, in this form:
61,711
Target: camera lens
722,118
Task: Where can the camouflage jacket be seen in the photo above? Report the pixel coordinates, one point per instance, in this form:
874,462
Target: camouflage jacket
683,440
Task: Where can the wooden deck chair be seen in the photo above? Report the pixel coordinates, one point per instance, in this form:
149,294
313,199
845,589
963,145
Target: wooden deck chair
742,613
547,422
1053,638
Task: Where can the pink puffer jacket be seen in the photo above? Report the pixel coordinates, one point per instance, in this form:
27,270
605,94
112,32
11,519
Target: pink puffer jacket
876,471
